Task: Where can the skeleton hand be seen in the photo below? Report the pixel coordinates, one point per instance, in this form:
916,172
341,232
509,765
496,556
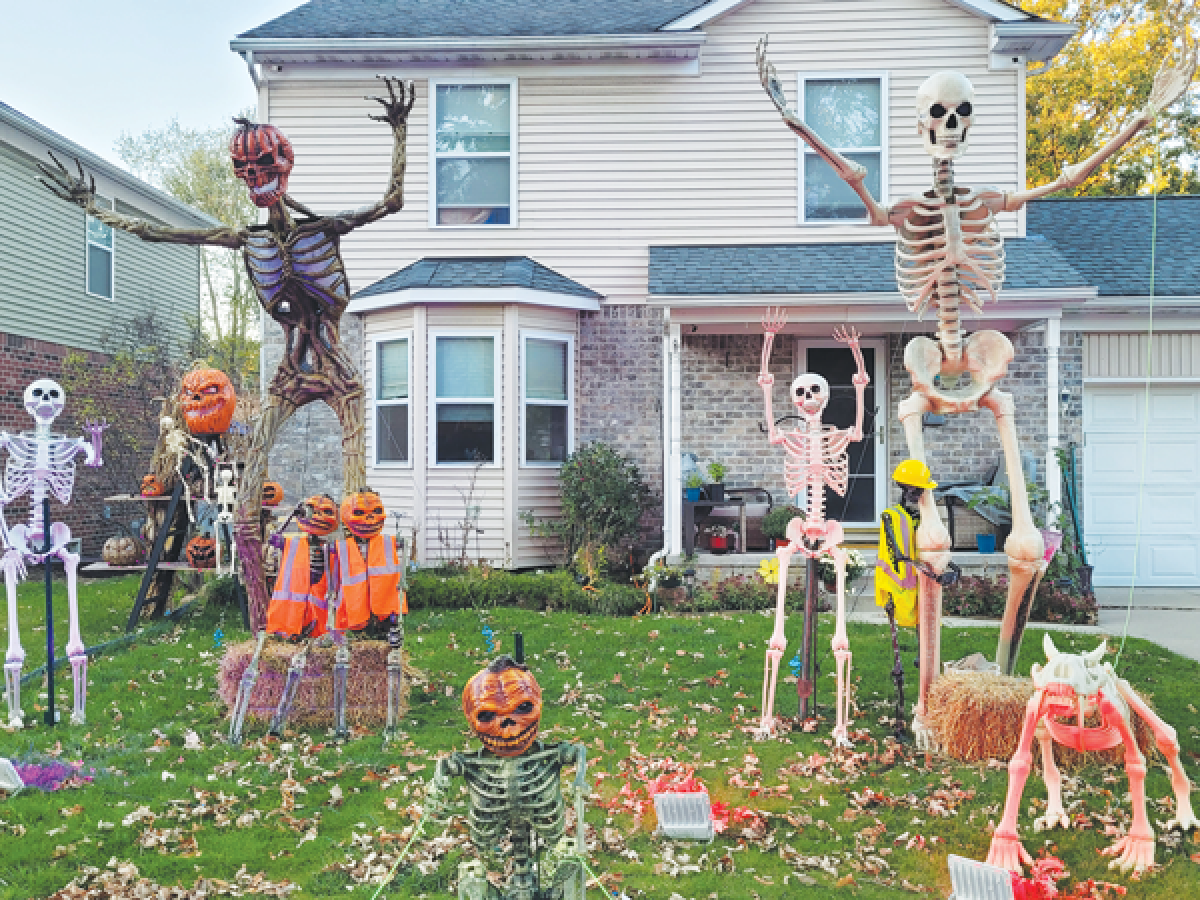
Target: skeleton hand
96,429
1172,80
850,337
395,109
81,191
774,320
770,79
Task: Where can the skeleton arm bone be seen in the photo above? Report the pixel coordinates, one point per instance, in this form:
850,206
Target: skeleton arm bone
947,578
861,379
773,322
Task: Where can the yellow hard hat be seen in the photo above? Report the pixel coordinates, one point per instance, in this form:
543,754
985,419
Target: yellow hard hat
914,473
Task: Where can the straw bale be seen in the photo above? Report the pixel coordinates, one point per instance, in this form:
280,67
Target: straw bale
366,683
977,717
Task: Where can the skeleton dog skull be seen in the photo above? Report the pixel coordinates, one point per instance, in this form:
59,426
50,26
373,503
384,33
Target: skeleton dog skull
44,400
810,394
945,113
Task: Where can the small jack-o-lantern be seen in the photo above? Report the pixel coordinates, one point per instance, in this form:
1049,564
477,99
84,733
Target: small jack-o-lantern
122,550
201,552
362,513
318,516
272,493
152,487
208,401
503,705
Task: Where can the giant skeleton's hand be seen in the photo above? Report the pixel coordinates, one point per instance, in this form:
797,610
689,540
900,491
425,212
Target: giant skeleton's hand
395,109
1172,79
770,79
81,191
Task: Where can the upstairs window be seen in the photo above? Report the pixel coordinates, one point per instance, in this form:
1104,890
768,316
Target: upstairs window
464,399
391,401
548,390
99,249
849,114
473,151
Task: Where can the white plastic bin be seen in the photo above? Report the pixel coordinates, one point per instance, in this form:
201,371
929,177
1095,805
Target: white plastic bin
684,816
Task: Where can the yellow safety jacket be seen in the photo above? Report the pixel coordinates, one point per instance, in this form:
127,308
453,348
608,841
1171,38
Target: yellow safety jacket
893,578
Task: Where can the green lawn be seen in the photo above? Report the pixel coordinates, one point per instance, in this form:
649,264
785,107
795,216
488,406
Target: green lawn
181,814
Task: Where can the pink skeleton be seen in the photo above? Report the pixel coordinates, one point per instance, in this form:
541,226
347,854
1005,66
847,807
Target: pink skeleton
1074,686
817,456
41,462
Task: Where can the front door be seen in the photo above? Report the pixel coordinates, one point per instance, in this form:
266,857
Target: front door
866,496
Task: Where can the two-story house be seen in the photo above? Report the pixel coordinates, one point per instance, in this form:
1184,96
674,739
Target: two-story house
600,204
69,283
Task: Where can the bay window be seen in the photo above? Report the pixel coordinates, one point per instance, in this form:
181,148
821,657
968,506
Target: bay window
464,398
392,376
547,380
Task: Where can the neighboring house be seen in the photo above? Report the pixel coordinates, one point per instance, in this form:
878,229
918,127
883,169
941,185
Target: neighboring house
601,201
68,283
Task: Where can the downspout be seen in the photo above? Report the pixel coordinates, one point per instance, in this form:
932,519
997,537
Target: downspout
1053,473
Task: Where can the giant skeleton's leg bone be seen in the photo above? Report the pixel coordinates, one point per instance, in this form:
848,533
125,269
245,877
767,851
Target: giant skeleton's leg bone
1025,546
395,678
287,698
1168,745
1006,850
841,651
1055,816
1135,850
245,689
14,659
778,642
76,651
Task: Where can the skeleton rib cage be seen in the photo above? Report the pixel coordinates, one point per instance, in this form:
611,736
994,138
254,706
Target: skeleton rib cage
524,788
21,470
800,473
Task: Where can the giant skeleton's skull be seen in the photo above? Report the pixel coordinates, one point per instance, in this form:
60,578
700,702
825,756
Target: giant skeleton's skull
945,109
44,400
262,157
810,393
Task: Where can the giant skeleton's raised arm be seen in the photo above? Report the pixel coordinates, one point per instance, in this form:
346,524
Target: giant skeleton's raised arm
81,190
1170,83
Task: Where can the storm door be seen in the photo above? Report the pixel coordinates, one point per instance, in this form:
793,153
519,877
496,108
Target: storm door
866,496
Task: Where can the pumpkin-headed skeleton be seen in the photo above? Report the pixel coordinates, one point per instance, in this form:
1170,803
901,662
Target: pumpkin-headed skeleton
514,786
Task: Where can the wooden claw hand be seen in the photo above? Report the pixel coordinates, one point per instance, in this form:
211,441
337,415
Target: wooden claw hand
395,108
770,79
1172,79
79,190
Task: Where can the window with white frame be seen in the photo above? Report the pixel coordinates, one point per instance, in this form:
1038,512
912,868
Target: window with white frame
99,267
464,398
847,113
547,396
473,147
391,401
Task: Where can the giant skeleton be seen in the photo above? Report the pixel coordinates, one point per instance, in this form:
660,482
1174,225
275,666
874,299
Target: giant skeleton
41,463
949,252
296,268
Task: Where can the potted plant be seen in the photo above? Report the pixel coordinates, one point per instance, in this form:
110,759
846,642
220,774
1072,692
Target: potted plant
775,523
718,538
716,482
667,582
692,486
856,565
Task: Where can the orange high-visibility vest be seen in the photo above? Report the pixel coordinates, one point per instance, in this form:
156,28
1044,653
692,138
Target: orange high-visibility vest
295,603
371,587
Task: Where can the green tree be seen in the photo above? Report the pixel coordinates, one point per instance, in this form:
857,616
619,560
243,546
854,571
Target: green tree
193,166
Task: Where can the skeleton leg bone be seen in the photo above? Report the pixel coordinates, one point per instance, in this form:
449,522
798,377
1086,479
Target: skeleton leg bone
76,651
897,667
841,652
1168,744
1135,850
341,671
395,678
14,660
1025,546
1006,850
245,689
287,698
778,642
1055,816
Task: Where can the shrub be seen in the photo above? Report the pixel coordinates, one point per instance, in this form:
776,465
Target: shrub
977,596
775,523
551,591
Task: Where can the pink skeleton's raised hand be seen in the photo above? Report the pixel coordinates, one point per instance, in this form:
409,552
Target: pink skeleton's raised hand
96,429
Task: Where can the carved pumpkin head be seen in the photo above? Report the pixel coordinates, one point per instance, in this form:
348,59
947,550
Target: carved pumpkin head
272,493
152,487
503,705
362,513
262,157
208,401
201,552
318,516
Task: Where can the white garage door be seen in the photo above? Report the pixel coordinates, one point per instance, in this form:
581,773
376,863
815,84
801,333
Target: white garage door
1114,418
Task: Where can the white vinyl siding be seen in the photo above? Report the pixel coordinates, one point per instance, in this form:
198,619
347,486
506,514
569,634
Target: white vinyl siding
473,144
100,268
547,398
392,434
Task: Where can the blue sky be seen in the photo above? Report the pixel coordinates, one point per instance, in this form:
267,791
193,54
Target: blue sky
92,70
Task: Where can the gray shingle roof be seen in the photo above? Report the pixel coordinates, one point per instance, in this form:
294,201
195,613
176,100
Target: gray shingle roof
1107,240
478,272
471,18
828,268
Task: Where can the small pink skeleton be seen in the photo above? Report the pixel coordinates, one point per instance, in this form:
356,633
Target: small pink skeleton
1074,686
42,462
817,456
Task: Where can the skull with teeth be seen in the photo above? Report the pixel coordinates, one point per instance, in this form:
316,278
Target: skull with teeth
503,704
262,157
810,393
945,106
44,400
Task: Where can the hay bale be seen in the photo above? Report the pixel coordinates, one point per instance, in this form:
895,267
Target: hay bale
366,683
977,717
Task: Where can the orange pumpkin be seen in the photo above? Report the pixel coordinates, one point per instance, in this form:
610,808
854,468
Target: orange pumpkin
318,516
503,705
152,487
362,513
201,552
272,494
208,401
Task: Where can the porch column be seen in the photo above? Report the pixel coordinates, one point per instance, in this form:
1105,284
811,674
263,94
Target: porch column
1053,473
672,442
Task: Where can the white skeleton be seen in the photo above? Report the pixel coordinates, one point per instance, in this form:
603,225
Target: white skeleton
179,445
41,462
817,456
226,506
949,251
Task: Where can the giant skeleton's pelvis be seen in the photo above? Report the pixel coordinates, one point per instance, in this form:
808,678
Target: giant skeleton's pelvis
985,359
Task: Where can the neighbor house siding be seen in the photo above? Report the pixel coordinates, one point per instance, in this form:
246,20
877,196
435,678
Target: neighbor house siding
608,166
1124,355
42,270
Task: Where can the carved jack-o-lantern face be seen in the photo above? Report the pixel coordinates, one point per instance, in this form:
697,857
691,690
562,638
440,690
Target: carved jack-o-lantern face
201,552
152,487
208,401
262,157
272,494
503,704
319,516
362,513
